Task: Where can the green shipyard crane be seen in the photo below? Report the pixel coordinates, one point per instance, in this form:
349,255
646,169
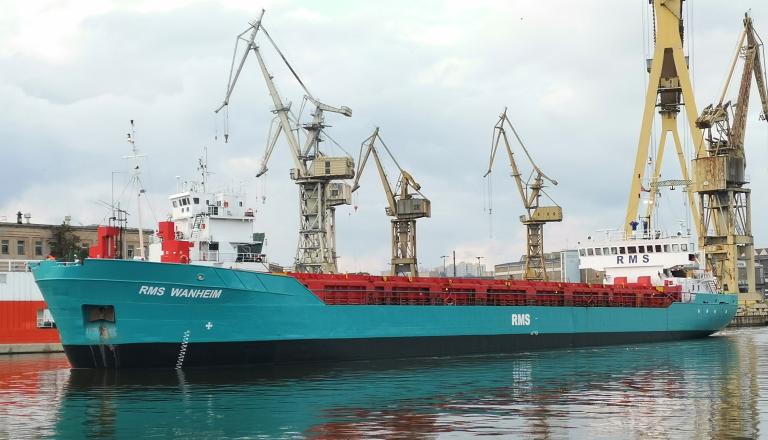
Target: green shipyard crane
530,192
402,204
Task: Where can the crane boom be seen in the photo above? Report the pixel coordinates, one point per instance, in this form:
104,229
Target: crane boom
371,149
752,67
254,28
530,194
282,115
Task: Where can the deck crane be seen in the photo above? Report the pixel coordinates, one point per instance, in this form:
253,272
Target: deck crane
406,207
720,174
530,192
315,173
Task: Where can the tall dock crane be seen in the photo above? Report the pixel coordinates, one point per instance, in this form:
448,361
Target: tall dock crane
315,173
406,207
720,174
530,192
669,88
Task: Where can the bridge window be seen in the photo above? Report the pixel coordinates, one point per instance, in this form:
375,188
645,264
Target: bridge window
196,200
641,249
582,253
675,248
658,248
590,252
684,247
649,249
614,251
598,251
632,249
175,204
622,250
605,251
666,248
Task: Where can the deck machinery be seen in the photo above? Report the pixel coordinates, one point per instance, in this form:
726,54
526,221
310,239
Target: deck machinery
720,179
530,192
402,204
316,174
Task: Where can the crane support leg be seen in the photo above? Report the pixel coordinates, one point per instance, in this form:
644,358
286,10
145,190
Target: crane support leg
633,201
726,215
535,270
315,250
404,248
686,176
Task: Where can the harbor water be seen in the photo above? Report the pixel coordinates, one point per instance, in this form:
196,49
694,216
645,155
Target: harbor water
715,387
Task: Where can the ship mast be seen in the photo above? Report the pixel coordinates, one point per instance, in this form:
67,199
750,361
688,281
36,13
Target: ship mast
136,182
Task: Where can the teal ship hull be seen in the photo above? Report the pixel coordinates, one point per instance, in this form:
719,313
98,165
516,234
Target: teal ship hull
124,314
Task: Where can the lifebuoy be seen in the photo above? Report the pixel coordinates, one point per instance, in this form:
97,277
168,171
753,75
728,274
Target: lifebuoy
184,259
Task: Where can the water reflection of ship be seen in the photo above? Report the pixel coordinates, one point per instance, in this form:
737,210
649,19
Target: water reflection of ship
660,390
31,390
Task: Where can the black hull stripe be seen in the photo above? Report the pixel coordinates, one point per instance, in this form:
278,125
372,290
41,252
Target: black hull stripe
171,355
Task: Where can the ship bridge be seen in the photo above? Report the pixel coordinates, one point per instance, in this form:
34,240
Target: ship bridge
639,258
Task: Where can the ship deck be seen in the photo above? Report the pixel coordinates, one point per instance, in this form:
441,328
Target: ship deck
346,289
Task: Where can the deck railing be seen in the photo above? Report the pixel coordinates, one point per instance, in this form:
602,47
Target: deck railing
16,265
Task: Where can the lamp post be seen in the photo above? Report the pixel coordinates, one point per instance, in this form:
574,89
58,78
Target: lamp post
445,270
478,266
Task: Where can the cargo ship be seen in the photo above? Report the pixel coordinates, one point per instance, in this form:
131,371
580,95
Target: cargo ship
117,313
206,297
203,302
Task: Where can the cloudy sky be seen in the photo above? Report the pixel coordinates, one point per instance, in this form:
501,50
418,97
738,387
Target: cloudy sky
434,75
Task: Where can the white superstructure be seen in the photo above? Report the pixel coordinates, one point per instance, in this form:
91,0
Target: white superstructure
219,225
647,258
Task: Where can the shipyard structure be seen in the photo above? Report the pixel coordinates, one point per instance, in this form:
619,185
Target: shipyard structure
26,324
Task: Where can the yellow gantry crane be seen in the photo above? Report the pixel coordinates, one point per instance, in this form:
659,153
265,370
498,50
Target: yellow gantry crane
720,179
669,87
530,192
402,204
